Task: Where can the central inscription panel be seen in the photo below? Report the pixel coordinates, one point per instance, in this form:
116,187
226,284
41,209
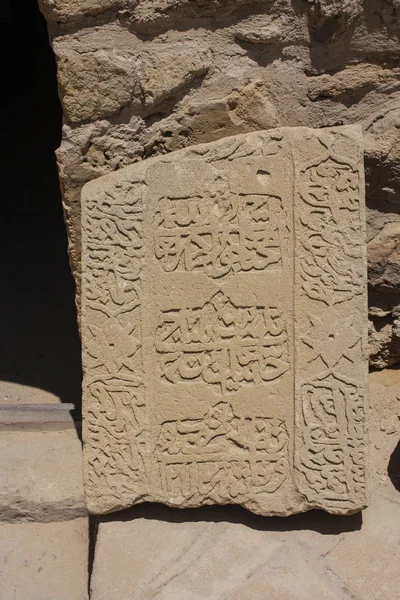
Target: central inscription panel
223,321
222,344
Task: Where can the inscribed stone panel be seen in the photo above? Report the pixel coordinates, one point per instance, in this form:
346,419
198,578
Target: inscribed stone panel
223,326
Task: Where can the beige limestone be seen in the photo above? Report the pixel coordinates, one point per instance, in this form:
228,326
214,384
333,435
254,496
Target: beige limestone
16,393
103,81
223,326
366,562
171,560
41,474
384,258
44,561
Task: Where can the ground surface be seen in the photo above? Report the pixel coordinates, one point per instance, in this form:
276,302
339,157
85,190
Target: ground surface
230,555
213,553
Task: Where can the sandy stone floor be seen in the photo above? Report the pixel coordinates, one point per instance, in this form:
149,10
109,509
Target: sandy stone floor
215,553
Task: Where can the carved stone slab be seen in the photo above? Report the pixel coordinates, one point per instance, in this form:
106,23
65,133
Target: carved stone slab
223,326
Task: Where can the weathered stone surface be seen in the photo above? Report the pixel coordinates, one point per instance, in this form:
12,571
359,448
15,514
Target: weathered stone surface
384,279
139,79
95,84
384,258
207,559
41,476
351,79
101,82
382,163
374,574
62,11
44,561
223,319
384,430
384,339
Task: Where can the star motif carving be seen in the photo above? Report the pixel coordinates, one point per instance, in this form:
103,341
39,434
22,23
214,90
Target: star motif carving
111,344
331,340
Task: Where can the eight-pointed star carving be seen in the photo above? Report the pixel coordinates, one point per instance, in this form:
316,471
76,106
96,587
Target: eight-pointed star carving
331,339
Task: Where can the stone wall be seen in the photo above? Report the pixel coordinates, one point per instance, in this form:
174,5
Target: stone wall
138,78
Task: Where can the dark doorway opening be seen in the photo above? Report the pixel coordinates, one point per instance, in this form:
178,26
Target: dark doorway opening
40,358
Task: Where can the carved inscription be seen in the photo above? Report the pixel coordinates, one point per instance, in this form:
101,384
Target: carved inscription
222,457
330,249
116,416
223,326
331,271
222,344
116,426
332,452
219,235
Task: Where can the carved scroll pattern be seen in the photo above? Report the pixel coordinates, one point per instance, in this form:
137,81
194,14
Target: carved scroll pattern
331,269
222,457
219,235
116,422
332,454
222,344
330,431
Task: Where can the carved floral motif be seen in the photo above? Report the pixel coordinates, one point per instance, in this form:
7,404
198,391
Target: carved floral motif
329,249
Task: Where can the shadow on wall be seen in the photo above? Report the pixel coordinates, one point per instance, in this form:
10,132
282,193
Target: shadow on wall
394,467
40,343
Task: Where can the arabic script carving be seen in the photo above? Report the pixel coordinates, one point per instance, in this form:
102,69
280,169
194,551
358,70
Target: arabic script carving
222,344
222,457
333,429
223,303
219,235
116,416
330,248
330,427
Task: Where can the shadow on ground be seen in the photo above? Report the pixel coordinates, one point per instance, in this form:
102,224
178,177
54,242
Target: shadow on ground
314,520
40,343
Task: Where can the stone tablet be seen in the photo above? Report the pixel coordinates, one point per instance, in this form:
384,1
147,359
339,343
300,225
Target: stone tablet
223,323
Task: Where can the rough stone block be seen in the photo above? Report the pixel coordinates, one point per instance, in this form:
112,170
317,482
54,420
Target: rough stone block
152,558
41,476
366,561
223,323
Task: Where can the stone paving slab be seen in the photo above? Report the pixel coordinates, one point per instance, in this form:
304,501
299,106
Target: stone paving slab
41,475
166,555
39,417
367,561
44,561
206,559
